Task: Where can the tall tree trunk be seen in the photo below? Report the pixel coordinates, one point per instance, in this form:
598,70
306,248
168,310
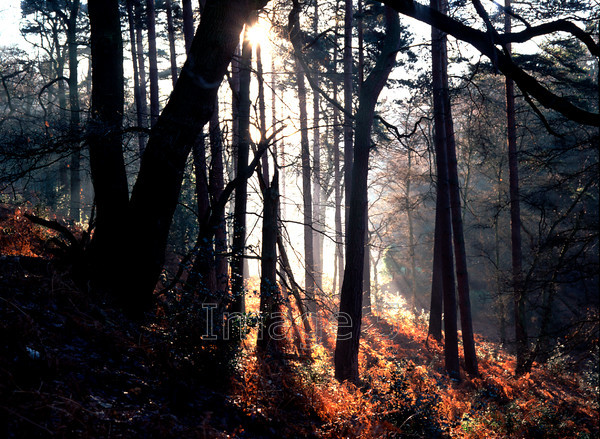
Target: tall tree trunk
241,192
271,331
438,42
316,174
262,111
349,323
203,274
309,272
437,287
515,214
152,61
104,135
188,23
348,148
337,177
136,78
156,192
215,187
171,36
139,38
411,237
75,199
460,253
366,286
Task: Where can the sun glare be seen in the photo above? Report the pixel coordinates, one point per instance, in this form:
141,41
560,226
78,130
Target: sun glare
259,33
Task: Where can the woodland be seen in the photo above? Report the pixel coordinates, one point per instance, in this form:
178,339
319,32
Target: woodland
301,218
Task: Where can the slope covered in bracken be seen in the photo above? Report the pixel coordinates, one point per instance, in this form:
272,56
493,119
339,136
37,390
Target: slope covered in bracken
71,365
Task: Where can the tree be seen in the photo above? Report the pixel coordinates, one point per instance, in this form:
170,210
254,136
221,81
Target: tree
309,269
515,211
348,334
104,133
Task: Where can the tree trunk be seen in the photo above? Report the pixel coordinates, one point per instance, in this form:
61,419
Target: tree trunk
337,177
271,331
348,148
460,254
75,199
515,215
188,24
309,280
202,276
171,36
241,192
136,78
349,321
215,188
366,286
438,43
437,288
411,237
152,61
316,174
104,135
143,113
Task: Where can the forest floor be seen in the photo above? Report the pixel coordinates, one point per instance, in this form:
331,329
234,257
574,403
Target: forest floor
72,365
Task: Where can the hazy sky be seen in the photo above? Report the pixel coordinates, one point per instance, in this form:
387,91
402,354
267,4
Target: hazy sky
10,14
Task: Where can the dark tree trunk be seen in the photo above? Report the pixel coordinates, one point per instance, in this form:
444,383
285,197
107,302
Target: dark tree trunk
460,253
188,23
104,135
152,61
438,43
411,237
139,38
136,77
348,148
271,331
215,188
262,111
309,280
75,199
348,332
190,106
437,288
171,36
366,286
202,275
515,215
316,175
337,177
241,192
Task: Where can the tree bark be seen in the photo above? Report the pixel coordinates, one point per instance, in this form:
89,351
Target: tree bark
241,192
143,113
171,36
216,184
438,43
437,288
515,214
348,148
188,23
152,61
75,199
104,134
309,280
271,330
316,174
137,92
348,332
460,253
